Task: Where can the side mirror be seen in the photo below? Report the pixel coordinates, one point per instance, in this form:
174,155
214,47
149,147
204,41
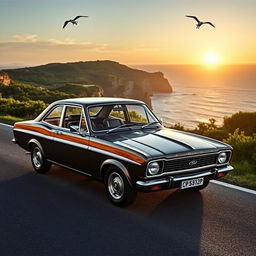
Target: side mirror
74,128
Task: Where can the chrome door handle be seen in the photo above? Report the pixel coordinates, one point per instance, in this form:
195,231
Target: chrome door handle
58,132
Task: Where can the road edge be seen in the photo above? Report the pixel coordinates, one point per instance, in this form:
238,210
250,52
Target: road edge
224,184
7,125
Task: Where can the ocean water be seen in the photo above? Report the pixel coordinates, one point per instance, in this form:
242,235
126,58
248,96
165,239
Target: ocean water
200,92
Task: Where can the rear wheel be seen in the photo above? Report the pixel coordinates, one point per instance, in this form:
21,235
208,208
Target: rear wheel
119,190
39,162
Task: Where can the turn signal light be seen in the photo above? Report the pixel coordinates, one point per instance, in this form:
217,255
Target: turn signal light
156,187
222,174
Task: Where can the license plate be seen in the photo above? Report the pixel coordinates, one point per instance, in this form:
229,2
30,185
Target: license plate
191,183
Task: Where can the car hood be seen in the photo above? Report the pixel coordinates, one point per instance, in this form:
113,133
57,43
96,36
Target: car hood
164,142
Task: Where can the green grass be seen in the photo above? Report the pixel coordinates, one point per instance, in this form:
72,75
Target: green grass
10,119
243,175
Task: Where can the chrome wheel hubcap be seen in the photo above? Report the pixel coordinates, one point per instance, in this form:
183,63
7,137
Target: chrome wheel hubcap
116,185
37,158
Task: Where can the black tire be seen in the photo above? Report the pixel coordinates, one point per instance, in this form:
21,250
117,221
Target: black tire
118,189
206,183
39,162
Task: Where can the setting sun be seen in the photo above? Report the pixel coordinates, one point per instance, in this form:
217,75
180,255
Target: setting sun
211,58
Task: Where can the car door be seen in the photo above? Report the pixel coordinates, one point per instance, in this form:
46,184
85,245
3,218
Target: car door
48,127
71,139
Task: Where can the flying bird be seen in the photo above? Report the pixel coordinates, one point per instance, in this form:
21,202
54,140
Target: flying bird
74,21
199,23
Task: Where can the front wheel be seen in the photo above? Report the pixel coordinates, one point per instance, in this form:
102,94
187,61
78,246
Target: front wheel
119,190
39,162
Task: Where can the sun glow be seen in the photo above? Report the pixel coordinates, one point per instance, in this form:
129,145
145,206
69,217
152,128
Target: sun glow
211,58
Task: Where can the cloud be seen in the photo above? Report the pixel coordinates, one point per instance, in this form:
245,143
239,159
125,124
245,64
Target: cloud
67,41
26,38
31,50
32,41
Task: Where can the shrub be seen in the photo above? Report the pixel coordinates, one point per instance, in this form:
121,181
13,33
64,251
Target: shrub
177,126
218,134
245,121
244,146
18,108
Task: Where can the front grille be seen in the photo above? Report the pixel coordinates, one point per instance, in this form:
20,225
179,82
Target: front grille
190,162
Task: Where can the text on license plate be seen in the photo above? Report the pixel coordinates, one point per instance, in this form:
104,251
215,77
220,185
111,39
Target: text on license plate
192,183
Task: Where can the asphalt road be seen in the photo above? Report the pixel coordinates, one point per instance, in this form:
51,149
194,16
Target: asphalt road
63,213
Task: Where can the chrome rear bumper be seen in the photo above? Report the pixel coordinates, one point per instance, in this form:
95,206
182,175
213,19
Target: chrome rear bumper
171,181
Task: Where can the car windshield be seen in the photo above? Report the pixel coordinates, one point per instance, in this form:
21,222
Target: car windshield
112,117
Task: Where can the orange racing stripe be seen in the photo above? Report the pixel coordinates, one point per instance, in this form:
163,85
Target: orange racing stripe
83,141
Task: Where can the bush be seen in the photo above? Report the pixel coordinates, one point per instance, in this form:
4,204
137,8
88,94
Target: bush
10,119
24,92
177,126
218,134
244,146
245,121
18,108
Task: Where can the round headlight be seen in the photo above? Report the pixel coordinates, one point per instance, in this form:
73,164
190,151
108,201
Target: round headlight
153,168
222,158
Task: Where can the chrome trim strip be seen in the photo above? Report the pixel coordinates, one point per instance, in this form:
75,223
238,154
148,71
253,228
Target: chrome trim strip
150,183
34,133
193,176
80,145
225,169
67,167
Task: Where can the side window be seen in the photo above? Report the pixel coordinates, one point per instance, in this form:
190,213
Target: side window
54,116
83,128
72,117
137,113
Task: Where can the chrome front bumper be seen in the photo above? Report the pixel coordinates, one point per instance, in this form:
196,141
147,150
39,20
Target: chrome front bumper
172,182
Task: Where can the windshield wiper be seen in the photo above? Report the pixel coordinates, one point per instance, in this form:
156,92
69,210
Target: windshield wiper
121,126
149,124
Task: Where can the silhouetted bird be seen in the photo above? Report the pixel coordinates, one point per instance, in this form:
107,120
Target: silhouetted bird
74,22
199,23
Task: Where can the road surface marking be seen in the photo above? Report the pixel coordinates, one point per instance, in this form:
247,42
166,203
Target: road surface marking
234,187
8,125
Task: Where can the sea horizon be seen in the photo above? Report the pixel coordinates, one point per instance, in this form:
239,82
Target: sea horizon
202,92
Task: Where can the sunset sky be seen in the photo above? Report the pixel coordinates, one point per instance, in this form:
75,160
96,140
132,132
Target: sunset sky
130,32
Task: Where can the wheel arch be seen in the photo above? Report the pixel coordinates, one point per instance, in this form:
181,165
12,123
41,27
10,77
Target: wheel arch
35,142
112,162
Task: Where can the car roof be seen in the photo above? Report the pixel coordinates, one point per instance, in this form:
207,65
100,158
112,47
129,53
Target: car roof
87,101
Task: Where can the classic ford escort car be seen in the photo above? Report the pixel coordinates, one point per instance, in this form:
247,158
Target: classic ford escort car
122,143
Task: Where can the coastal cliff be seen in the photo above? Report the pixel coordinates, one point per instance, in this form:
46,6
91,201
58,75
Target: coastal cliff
111,78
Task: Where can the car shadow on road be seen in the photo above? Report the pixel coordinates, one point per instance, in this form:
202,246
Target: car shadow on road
63,213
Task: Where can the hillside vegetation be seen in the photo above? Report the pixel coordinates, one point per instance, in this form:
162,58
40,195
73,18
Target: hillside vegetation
24,92
115,79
